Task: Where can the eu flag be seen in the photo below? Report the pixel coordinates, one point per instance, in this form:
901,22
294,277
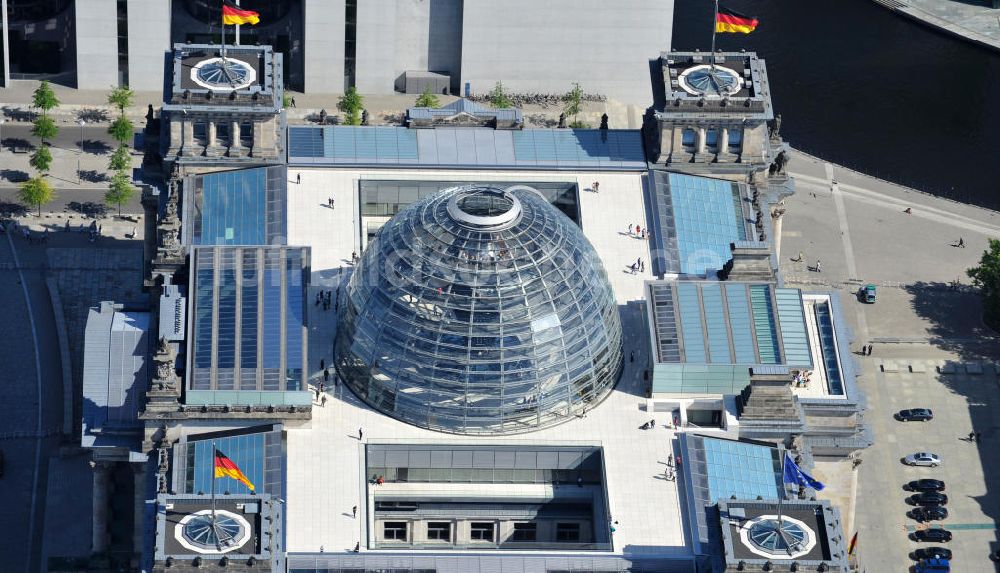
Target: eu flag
795,476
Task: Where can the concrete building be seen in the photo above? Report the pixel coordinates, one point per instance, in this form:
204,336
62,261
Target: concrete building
379,46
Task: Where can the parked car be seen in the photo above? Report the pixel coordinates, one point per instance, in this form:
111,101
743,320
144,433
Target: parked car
867,294
922,459
933,535
925,484
915,415
928,498
933,565
932,513
931,552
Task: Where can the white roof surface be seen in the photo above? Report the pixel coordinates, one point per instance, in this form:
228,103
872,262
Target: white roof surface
325,461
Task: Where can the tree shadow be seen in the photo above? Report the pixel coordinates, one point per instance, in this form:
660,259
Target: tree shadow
14,175
18,114
93,176
16,144
95,146
89,208
954,313
13,209
542,120
92,115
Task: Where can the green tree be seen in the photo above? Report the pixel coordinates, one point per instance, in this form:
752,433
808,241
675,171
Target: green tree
44,128
120,191
499,98
427,99
122,130
121,97
44,98
41,159
572,101
286,100
120,159
986,277
351,103
36,192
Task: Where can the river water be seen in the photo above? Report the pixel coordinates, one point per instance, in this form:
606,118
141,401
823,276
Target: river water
865,88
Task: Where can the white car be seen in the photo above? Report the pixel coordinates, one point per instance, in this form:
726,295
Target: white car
922,459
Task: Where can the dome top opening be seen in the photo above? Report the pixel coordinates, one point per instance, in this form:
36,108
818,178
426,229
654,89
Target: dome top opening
484,207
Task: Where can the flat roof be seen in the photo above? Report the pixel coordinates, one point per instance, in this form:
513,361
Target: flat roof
240,207
617,149
258,451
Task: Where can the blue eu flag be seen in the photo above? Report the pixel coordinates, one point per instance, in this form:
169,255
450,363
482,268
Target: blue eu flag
795,476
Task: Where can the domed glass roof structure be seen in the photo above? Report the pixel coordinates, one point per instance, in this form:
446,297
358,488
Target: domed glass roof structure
480,310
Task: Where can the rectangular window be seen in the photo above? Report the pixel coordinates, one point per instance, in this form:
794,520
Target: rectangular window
439,531
567,532
525,532
735,140
200,133
482,531
394,530
222,133
122,12
688,138
350,41
712,137
246,134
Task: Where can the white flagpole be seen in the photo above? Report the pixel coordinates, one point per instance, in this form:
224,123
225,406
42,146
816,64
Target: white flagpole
237,26
715,24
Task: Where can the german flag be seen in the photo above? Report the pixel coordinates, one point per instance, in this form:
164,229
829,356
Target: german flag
233,15
853,545
729,21
225,467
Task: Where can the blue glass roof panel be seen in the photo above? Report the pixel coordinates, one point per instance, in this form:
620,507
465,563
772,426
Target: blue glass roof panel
243,207
258,455
742,469
763,320
706,221
715,321
690,314
791,319
739,321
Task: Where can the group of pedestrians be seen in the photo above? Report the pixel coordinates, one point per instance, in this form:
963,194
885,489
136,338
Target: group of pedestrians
638,232
325,298
866,349
639,265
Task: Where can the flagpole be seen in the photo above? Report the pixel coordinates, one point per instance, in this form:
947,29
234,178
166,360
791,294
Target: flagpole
237,26
784,489
214,454
715,27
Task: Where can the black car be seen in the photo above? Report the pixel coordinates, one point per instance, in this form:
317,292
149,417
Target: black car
915,415
928,498
932,513
935,535
925,484
932,553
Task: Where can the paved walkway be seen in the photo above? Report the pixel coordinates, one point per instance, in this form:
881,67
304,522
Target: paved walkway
974,20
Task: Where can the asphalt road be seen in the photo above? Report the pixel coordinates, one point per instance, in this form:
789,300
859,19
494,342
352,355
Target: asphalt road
95,138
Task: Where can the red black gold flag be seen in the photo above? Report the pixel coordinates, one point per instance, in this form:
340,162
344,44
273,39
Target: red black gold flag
233,15
225,467
730,21
853,545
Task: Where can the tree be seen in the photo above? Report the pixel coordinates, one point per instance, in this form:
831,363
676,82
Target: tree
120,159
986,277
120,191
36,192
121,97
351,103
572,100
499,98
44,128
44,98
41,159
122,130
427,99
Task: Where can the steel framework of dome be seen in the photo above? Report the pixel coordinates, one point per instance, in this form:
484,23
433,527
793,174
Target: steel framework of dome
480,310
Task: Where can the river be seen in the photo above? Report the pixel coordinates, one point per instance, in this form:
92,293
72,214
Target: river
871,90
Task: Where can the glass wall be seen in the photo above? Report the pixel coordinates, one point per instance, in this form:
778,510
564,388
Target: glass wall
495,325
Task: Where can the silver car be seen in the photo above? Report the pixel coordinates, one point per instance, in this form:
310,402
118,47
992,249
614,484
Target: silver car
922,459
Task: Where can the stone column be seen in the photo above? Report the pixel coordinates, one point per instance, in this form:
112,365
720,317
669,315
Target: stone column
212,149
724,140
700,143
188,145
101,537
211,134
236,148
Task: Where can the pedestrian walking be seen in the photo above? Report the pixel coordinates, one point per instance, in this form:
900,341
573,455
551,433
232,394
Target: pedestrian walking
298,178
870,347
972,436
319,298
322,386
354,510
642,265
293,101
630,228
323,401
638,262
632,266
638,230
595,185
819,266
316,390
961,242
357,547
361,434
326,375
670,460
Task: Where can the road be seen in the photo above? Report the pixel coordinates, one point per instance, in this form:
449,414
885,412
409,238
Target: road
95,137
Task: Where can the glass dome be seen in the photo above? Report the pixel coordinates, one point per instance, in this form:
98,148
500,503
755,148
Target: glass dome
480,310
710,81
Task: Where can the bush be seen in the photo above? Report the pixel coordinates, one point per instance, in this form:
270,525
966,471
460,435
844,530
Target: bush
351,103
428,99
499,98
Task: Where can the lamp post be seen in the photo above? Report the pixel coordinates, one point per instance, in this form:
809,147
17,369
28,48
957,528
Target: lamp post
79,178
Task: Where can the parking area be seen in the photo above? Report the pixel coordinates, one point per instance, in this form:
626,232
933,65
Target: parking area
963,401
